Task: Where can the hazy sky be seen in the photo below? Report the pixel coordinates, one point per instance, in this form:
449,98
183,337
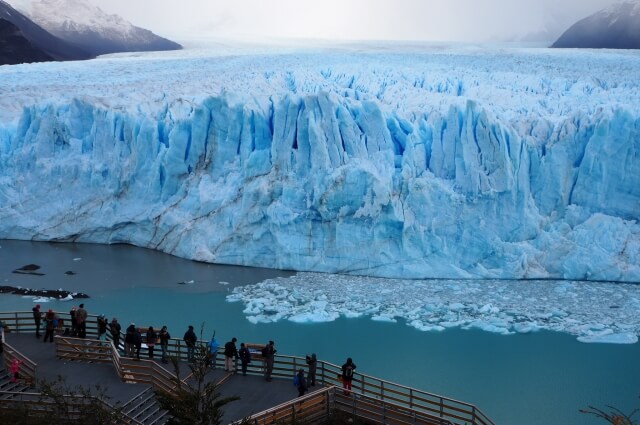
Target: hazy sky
436,20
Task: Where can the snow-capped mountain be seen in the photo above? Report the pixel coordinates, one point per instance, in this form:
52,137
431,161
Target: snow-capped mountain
90,27
21,40
616,27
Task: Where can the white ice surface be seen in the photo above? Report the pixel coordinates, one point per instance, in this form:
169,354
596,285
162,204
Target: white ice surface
388,160
593,311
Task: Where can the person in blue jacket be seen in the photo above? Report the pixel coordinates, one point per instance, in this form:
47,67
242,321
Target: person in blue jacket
213,351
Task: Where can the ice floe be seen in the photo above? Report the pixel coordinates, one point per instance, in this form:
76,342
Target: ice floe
593,311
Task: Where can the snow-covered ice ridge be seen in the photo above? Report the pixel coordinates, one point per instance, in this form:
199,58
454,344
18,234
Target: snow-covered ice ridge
382,160
593,311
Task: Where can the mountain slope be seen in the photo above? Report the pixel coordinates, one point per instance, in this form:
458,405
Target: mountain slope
617,27
99,33
15,48
39,38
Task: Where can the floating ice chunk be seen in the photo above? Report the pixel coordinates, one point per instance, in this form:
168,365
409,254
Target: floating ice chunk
67,298
620,338
77,259
383,318
524,328
456,306
223,283
41,299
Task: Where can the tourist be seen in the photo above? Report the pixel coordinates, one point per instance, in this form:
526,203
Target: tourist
81,321
37,318
269,354
213,351
301,383
137,341
2,325
312,363
50,321
230,353
129,340
74,321
115,329
15,369
190,339
102,327
152,336
164,343
245,358
347,375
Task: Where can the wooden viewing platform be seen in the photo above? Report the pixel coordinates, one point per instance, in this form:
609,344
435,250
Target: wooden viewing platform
131,383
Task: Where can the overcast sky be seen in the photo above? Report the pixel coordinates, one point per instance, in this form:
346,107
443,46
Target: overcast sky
435,20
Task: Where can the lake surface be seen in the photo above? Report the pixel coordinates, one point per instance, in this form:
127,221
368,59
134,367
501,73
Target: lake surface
520,379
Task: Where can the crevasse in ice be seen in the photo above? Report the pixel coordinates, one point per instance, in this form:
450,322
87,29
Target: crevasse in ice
438,163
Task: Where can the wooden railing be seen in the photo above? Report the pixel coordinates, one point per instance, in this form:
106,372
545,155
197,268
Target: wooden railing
317,406
37,404
28,368
454,411
129,370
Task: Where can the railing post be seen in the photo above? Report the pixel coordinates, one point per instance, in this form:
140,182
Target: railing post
441,407
17,324
473,410
411,398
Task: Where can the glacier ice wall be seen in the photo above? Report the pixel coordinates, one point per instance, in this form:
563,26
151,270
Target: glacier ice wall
342,164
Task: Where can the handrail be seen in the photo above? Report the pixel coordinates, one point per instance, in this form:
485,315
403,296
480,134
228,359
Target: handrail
319,404
458,412
129,370
8,398
28,368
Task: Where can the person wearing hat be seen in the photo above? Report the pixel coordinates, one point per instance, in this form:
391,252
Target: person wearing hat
37,318
190,339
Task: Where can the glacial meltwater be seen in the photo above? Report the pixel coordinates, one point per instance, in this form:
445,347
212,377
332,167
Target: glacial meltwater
447,338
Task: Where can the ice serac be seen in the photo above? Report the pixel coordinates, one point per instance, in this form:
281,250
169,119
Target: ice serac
336,181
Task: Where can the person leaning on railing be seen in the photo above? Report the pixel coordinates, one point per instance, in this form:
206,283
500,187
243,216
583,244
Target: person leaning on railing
190,339
164,343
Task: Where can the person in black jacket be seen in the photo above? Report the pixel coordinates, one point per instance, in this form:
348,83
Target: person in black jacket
230,354
137,341
37,318
152,336
347,375
115,329
164,343
102,327
245,357
312,362
190,339
129,340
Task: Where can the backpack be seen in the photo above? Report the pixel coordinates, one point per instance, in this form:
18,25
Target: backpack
265,352
348,372
296,380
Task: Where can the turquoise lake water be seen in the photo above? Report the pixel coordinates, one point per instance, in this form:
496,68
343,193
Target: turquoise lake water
521,379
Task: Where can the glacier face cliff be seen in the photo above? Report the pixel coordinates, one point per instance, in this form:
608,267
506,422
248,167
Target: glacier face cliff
467,163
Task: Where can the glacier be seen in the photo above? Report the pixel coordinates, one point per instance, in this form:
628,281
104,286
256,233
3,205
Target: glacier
402,161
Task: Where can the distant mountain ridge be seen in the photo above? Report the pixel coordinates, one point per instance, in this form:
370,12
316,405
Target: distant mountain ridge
81,23
616,27
22,40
